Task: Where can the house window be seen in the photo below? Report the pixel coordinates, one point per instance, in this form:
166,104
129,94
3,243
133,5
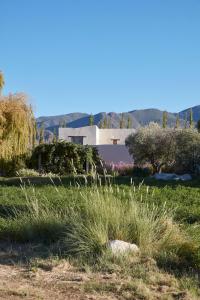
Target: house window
115,141
77,139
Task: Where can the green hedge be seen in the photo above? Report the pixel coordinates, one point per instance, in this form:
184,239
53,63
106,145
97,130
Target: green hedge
64,158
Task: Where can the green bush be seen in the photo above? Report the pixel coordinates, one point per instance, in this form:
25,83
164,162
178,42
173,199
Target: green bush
10,167
63,158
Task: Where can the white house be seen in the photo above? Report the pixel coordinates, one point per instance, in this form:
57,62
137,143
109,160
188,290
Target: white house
110,142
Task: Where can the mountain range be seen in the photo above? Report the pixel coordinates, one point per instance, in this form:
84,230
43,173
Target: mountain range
136,118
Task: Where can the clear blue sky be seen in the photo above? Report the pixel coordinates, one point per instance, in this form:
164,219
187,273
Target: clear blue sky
101,55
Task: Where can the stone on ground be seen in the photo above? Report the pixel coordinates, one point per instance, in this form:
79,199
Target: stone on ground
121,247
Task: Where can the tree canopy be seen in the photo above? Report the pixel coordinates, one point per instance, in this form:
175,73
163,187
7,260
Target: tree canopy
166,147
17,126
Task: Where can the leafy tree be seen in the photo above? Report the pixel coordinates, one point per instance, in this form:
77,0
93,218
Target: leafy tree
175,148
2,82
154,145
165,119
187,150
91,120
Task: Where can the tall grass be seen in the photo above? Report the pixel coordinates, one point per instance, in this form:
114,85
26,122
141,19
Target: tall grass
84,219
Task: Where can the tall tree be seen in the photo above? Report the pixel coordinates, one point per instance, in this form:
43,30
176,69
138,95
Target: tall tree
2,82
108,122
121,123
105,122
198,126
165,119
177,122
101,124
186,121
55,137
91,120
41,134
129,122
17,126
191,122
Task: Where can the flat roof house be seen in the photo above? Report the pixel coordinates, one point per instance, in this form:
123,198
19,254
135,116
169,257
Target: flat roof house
110,142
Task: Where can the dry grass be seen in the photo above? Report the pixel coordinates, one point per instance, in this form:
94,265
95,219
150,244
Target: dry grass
54,278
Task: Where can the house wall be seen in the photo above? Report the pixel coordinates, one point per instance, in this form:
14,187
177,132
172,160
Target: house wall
114,154
106,135
90,133
95,136
102,140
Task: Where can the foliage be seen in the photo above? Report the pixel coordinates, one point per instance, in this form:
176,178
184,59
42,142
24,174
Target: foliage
153,144
191,122
41,134
84,220
122,121
27,173
198,126
120,169
75,220
63,158
91,120
2,82
17,130
175,149
165,119
188,150
177,122
129,122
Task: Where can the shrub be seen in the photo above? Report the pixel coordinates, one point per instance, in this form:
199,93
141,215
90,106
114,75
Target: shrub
11,166
63,158
27,173
120,169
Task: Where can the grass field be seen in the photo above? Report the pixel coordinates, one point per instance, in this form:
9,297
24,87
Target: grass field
69,220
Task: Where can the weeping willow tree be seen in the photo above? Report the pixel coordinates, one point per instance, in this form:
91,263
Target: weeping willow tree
2,82
17,128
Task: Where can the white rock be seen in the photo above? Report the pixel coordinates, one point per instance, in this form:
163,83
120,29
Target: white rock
120,247
186,177
165,176
172,176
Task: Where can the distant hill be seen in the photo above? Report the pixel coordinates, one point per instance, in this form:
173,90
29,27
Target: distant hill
186,112
138,118
145,116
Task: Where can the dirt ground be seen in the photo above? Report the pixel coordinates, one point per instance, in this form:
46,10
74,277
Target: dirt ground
26,275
